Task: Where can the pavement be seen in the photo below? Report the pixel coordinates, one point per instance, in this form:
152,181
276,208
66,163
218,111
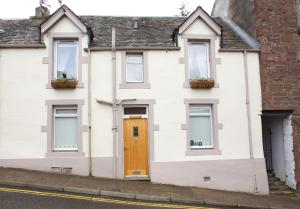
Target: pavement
140,190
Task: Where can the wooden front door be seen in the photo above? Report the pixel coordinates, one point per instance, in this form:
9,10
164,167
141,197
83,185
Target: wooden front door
136,147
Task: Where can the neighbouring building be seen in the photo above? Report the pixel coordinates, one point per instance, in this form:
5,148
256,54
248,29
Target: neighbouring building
275,24
170,99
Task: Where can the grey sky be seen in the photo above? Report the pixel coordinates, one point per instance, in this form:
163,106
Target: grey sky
25,8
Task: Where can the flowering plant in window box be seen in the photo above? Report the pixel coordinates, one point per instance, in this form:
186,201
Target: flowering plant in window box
202,83
64,83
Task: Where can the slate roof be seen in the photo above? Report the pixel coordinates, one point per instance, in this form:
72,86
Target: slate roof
151,32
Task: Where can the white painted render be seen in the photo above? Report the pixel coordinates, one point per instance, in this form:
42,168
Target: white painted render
289,155
23,93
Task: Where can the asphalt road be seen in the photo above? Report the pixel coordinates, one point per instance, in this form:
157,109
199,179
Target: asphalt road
13,198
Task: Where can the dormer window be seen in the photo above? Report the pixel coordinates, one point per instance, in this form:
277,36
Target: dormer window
198,60
66,59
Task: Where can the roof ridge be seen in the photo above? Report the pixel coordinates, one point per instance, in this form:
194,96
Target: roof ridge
124,16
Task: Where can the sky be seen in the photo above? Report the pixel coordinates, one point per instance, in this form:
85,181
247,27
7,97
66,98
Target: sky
25,8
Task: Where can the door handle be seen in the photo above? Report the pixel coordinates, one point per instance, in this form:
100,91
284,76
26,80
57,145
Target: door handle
125,148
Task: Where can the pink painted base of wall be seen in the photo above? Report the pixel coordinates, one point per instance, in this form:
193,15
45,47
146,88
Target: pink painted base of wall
231,175
102,166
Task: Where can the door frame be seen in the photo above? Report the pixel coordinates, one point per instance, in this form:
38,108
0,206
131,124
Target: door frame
142,117
149,103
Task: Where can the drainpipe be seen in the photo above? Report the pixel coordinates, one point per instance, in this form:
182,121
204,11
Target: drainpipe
249,119
114,103
89,112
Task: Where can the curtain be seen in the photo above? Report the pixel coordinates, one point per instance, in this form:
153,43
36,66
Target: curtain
67,60
198,60
134,68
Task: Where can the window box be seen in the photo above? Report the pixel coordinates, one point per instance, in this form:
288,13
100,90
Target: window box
64,83
203,83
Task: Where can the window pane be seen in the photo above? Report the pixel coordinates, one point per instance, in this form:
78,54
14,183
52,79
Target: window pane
135,111
200,131
134,58
66,133
200,110
134,72
198,60
66,60
66,111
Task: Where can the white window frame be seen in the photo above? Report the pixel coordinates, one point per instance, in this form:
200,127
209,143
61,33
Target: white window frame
134,54
56,43
55,115
207,56
135,115
211,124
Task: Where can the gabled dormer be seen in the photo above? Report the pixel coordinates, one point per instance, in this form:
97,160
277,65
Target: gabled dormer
65,36
199,36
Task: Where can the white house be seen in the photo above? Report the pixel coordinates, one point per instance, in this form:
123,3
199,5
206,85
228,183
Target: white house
170,99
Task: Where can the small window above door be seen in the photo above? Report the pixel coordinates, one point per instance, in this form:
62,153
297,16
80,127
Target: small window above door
135,112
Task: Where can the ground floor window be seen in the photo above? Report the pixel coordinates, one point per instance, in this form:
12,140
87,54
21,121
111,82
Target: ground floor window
202,127
65,128
200,117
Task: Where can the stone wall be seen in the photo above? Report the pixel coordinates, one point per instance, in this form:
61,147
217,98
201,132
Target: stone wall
276,30
243,13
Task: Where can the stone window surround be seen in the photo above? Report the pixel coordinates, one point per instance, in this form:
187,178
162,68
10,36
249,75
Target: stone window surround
212,56
142,85
149,103
50,59
216,126
49,128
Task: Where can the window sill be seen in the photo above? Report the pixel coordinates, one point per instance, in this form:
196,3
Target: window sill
135,86
203,151
65,154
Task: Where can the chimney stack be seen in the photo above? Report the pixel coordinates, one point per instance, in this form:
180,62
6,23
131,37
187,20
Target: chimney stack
41,12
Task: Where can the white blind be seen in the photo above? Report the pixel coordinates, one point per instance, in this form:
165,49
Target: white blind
198,60
134,68
200,127
66,133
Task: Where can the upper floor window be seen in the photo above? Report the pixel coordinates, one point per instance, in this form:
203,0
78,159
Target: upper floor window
66,59
200,117
198,60
134,68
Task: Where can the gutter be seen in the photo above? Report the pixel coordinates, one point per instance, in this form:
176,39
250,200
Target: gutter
134,48
249,120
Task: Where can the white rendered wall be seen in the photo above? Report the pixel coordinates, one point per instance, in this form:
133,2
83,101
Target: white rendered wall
23,95
289,155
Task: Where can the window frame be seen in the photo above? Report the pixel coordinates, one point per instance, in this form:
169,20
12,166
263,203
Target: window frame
134,85
62,41
213,103
212,41
126,67
48,129
55,115
211,125
207,44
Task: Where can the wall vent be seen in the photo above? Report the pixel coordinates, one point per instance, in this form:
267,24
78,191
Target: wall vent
65,170
206,179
